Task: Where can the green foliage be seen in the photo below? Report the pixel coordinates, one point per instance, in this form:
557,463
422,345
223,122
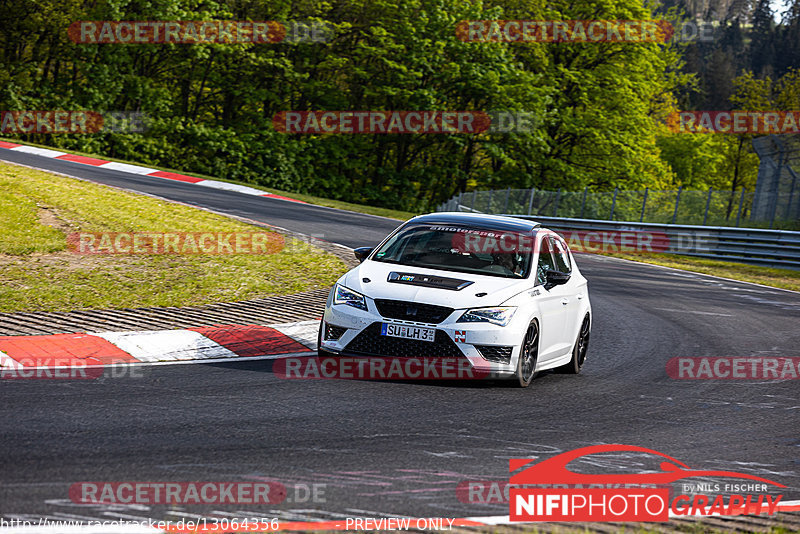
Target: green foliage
598,106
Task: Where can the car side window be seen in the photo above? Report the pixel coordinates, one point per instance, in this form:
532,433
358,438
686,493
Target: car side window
561,256
545,261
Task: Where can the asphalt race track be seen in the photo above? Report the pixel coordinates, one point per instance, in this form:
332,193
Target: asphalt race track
344,227
401,448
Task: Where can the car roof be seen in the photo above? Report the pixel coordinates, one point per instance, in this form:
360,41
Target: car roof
478,220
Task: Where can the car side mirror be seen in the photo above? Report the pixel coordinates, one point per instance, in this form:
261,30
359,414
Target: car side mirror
361,253
555,278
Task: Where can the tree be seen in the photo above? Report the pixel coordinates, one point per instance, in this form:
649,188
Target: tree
789,39
762,36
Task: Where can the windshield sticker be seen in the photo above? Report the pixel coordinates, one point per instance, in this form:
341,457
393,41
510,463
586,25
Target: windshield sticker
459,230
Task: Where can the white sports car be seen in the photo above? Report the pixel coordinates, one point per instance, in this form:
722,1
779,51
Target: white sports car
504,293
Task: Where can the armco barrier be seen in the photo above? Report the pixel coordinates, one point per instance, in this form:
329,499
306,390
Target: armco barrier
777,209
775,248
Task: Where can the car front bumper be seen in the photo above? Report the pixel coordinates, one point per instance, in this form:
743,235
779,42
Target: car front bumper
491,350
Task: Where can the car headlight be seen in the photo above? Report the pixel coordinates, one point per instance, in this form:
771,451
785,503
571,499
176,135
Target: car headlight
349,298
499,316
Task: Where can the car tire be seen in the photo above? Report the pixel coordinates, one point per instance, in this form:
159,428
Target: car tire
579,350
528,356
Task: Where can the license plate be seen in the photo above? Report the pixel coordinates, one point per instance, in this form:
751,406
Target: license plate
408,332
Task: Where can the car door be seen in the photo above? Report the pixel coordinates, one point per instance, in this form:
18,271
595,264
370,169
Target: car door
551,305
569,292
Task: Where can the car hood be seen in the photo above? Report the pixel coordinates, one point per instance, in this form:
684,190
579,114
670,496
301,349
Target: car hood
497,289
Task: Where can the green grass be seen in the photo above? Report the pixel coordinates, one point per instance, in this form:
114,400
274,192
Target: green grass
22,234
311,199
783,278
38,273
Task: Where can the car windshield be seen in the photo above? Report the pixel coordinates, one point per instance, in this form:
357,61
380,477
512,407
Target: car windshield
454,248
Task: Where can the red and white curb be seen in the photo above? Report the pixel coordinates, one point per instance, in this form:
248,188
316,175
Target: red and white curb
136,169
205,344
141,527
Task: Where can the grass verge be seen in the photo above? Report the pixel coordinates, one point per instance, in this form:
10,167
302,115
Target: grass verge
783,278
38,273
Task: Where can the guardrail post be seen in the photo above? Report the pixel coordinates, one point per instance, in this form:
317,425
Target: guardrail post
555,208
774,211
613,203
708,204
489,203
530,202
508,193
583,202
741,202
644,203
791,199
677,201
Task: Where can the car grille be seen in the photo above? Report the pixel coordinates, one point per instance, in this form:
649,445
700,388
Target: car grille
412,311
371,342
333,332
494,353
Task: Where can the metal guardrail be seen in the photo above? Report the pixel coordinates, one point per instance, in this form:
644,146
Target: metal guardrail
778,208
773,248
